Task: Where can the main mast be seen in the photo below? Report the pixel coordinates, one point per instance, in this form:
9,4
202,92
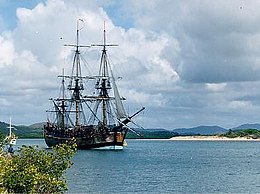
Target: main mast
104,80
103,83
77,88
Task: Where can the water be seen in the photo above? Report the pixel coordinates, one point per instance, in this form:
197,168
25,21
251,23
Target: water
160,166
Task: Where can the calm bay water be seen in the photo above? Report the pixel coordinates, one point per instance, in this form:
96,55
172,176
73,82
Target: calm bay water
161,166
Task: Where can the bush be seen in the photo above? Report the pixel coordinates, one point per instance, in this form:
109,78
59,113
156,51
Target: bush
250,133
35,170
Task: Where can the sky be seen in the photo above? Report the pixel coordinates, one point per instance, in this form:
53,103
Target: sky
189,63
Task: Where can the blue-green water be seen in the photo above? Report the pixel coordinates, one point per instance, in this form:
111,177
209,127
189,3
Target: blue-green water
154,166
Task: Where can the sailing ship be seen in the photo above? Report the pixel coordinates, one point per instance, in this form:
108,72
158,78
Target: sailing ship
10,139
95,120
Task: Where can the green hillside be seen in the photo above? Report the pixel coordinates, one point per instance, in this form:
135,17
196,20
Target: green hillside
23,131
249,133
151,134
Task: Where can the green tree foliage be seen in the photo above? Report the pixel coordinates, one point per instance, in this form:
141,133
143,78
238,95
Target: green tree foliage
34,131
35,170
1,136
151,134
250,133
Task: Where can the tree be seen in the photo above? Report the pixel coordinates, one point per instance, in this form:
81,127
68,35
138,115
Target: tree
1,136
35,170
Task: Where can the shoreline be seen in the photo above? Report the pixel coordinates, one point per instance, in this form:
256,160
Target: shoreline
210,138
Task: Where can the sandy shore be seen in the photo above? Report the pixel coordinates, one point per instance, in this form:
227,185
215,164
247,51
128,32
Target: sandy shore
211,138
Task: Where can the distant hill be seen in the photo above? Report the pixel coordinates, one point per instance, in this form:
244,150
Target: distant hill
23,131
247,126
151,134
38,125
201,130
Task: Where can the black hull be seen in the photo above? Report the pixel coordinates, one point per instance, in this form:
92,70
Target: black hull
87,142
81,144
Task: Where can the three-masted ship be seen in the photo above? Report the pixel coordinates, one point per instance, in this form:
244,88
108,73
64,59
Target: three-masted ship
94,120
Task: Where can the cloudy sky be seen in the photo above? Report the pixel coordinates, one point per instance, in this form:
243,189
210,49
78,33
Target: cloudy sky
189,63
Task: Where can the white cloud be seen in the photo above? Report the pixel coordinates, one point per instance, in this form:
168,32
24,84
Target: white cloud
140,98
190,63
7,51
216,87
218,40
34,55
240,105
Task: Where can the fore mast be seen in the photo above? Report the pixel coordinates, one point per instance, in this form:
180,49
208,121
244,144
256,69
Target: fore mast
76,79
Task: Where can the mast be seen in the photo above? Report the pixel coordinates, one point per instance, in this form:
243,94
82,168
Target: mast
63,101
77,89
103,83
10,127
76,84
